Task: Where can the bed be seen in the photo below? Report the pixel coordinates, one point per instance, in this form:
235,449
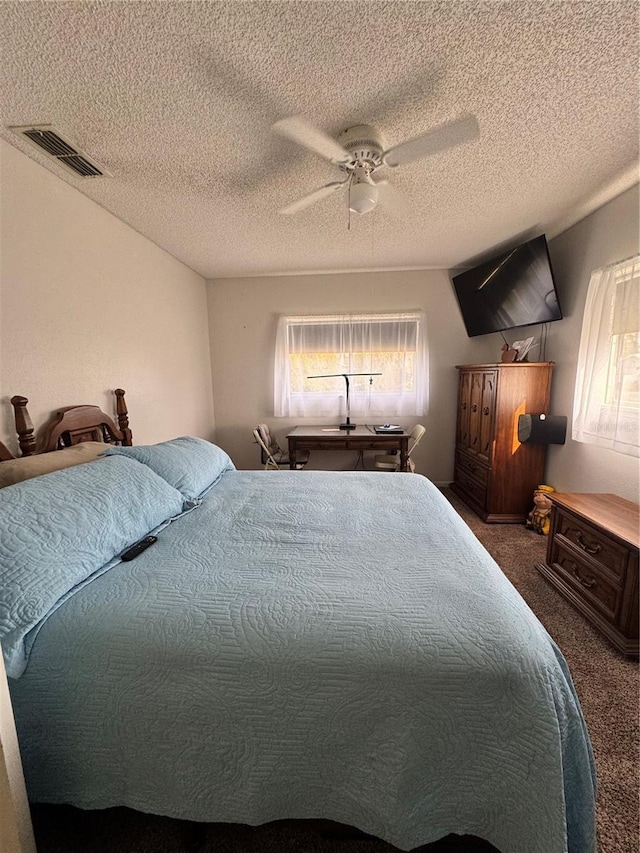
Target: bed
326,645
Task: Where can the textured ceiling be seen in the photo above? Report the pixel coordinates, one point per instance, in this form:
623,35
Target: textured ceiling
177,99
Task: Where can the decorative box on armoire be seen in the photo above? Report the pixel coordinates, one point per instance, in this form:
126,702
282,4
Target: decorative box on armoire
495,473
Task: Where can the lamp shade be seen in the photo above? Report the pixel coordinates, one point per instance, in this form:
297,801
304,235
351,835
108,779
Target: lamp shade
363,197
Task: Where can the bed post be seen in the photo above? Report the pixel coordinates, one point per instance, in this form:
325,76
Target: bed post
24,426
123,420
5,453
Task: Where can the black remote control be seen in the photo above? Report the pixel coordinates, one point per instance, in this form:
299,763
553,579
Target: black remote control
138,548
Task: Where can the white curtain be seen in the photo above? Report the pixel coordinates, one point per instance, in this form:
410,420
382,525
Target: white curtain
393,345
607,396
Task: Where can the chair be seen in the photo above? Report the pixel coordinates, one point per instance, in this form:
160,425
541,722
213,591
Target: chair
273,457
391,461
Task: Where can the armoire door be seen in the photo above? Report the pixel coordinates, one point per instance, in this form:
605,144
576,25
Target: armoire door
464,409
487,413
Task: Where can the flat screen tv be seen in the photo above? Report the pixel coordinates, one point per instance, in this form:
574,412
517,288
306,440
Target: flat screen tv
514,289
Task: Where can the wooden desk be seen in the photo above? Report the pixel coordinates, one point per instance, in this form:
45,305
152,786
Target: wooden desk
360,438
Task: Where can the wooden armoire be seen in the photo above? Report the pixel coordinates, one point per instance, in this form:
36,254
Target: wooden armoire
496,474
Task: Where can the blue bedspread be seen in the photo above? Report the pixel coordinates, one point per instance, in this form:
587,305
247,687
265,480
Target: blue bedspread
312,644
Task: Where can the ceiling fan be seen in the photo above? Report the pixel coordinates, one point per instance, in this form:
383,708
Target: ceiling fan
361,150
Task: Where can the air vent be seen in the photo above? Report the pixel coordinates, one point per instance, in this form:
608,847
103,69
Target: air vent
61,149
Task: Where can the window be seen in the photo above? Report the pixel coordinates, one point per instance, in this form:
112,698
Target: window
606,408
392,345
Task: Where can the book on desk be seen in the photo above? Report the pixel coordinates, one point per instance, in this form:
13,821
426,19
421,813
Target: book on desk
383,429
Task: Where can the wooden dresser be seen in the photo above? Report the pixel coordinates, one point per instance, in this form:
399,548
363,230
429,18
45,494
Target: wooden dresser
494,473
592,560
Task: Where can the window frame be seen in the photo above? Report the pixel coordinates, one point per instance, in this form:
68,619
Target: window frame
346,328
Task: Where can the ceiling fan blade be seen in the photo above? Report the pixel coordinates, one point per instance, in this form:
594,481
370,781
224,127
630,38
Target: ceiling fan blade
310,199
389,196
443,137
299,130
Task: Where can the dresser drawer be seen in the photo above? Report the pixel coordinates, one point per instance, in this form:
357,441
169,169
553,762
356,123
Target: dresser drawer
592,542
470,466
592,560
476,490
589,580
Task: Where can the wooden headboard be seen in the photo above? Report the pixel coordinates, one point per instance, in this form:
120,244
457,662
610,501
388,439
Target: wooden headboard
69,426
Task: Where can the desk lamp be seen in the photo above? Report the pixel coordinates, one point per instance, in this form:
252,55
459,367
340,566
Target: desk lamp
347,424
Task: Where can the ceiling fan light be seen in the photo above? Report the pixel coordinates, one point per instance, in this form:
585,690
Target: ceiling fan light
363,197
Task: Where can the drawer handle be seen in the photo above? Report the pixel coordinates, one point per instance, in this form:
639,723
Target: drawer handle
485,411
586,583
590,549
463,406
474,408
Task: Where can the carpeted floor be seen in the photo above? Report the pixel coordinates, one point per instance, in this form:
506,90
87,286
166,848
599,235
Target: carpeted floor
607,685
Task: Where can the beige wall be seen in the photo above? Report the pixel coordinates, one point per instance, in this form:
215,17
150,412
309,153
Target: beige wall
243,318
88,305
607,235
